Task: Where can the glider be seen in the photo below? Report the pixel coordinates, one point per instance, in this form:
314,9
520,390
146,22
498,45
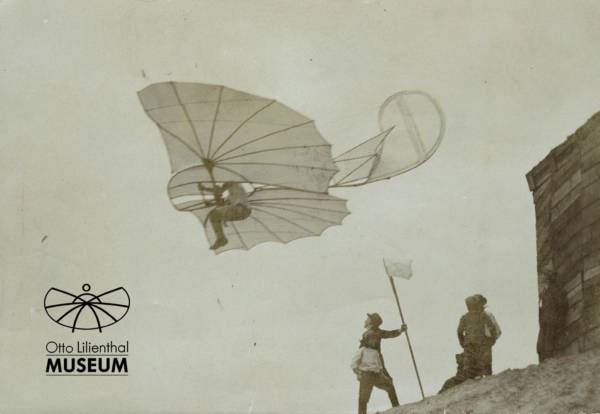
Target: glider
281,168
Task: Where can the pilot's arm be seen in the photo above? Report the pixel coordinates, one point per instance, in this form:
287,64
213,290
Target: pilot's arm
217,189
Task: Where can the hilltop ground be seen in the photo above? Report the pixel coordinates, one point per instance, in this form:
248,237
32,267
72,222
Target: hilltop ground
559,386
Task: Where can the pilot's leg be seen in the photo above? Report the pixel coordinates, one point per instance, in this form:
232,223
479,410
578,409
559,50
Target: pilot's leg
236,212
220,215
216,221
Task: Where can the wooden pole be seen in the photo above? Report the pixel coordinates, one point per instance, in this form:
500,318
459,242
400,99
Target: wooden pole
412,354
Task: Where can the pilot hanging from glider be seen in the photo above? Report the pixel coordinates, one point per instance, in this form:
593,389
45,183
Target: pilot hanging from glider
234,208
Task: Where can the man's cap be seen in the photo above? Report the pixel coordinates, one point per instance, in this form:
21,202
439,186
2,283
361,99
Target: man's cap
475,301
470,300
481,299
375,318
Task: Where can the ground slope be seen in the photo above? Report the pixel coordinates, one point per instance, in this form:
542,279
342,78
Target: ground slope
559,386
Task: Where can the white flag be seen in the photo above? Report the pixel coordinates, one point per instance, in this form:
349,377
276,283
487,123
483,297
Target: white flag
401,269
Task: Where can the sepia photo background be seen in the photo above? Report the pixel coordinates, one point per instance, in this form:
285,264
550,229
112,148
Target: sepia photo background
273,329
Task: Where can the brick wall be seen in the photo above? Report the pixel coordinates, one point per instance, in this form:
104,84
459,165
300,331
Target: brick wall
566,194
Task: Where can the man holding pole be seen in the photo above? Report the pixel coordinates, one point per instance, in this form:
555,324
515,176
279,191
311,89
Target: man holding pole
368,363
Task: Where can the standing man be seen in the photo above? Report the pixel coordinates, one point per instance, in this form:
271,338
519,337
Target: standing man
368,363
477,333
552,311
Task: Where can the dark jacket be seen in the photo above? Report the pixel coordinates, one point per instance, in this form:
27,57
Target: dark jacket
472,328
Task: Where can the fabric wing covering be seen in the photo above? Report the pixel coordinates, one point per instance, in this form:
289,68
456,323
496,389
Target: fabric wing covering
215,134
278,214
412,125
240,137
356,166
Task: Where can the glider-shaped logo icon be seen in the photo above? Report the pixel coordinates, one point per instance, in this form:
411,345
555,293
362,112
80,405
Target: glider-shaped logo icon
86,311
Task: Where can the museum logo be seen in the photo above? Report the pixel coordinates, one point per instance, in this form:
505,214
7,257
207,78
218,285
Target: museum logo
86,311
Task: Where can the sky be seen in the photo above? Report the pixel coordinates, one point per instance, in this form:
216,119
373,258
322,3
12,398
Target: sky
274,329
